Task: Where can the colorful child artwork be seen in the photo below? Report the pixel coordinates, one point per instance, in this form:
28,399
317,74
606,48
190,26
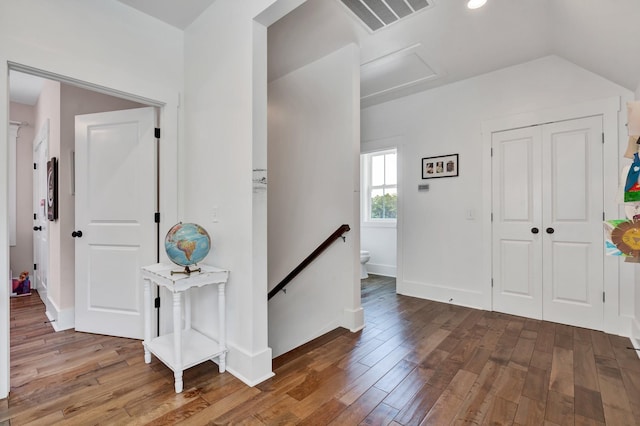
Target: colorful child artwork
632,184
623,238
21,286
610,248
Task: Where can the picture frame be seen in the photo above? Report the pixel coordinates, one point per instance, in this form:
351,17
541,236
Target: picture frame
52,189
440,166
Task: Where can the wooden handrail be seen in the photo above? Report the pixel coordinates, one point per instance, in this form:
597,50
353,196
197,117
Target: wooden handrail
322,247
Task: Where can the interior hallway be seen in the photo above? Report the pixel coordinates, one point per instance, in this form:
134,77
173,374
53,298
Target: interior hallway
416,362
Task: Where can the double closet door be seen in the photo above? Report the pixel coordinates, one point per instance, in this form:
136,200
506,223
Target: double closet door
547,236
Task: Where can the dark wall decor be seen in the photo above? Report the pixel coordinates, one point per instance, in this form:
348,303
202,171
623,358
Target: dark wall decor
52,189
440,166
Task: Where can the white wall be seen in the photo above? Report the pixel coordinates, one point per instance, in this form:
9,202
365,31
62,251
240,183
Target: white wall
22,252
104,43
440,251
225,90
313,158
381,243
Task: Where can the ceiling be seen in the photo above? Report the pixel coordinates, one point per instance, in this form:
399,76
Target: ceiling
178,13
24,88
448,42
445,42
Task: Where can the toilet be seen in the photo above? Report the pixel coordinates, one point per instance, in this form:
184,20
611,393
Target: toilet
364,258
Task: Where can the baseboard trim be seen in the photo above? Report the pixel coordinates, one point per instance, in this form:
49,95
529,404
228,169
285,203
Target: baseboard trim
635,336
353,319
251,369
379,269
60,319
43,296
470,299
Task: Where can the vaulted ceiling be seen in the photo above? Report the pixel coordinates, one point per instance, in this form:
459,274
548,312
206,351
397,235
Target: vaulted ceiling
446,42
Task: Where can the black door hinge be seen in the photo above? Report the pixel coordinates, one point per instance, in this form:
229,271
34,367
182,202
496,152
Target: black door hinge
35,166
35,267
157,133
35,216
156,217
156,302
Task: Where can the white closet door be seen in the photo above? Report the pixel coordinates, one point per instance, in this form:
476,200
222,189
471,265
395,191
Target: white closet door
548,250
573,245
517,215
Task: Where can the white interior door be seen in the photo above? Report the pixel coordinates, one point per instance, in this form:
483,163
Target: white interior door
40,222
573,254
548,250
115,206
517,218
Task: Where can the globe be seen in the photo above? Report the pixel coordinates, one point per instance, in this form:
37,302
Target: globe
187,244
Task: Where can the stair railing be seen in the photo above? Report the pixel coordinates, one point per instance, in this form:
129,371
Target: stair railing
322,247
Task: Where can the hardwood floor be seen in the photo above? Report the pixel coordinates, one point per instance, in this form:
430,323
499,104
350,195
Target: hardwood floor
417,362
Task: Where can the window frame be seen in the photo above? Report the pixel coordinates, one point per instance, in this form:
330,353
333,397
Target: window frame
368,187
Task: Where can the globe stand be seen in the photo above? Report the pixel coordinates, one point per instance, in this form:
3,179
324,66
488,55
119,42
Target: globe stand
187,271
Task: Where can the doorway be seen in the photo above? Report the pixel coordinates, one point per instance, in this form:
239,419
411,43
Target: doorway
58,102
547,192
380,205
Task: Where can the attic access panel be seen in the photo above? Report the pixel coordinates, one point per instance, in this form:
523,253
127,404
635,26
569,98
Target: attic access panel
377,14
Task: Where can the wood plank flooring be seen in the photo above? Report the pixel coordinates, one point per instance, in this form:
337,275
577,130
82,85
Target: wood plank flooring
417,362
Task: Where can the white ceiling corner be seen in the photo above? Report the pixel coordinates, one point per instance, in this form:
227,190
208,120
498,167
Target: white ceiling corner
178,13
24,88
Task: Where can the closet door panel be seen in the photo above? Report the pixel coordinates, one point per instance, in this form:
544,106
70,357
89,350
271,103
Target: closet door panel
572,176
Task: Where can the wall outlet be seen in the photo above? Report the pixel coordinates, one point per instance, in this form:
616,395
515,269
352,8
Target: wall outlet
471,214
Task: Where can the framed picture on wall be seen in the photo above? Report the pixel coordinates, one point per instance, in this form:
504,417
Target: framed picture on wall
440,166
52,189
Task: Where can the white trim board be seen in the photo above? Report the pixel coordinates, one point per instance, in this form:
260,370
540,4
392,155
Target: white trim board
381,269
439,293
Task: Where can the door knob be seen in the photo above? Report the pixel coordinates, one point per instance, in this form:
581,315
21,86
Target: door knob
534,230
37,228
550,230
76,234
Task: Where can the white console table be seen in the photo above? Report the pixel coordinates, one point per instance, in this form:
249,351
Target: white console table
185,347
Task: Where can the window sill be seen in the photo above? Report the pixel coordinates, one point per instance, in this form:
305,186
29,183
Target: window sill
381,224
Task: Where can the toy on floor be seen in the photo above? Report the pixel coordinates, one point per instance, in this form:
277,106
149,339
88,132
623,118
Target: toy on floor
22,285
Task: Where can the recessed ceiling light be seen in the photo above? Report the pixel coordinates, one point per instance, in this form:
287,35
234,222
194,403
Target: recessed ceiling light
474,4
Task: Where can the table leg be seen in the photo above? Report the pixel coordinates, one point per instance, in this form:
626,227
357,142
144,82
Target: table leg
222,366
177,342
147,320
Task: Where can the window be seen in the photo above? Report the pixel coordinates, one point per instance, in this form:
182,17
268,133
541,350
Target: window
380,186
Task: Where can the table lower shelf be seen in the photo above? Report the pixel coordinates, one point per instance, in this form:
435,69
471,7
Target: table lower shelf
196,348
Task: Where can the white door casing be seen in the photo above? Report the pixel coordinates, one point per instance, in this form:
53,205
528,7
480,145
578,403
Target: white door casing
548,251
40,221
115,206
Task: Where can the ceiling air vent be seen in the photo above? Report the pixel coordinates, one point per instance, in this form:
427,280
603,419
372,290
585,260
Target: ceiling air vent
377,14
